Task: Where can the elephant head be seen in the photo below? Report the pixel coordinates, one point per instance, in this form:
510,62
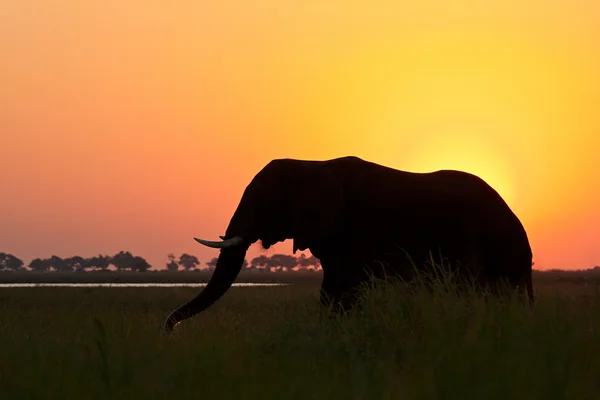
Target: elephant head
287,199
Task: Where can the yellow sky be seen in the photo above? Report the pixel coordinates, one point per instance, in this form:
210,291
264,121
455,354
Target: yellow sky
136,125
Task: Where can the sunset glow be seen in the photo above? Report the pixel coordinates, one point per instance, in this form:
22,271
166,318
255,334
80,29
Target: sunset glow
137,125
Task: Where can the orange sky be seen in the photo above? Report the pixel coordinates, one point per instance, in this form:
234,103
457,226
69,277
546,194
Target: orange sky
136,125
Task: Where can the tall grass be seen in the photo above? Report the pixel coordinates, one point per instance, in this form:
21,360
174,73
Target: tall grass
405,343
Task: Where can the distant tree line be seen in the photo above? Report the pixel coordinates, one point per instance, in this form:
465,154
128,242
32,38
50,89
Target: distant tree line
122,261
125,261
277,262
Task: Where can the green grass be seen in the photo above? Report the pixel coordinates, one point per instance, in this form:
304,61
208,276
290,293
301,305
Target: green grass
270,343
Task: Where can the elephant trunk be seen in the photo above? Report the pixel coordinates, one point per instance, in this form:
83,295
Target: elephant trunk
227,269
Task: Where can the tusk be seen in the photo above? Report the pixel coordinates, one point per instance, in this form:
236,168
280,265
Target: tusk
235,241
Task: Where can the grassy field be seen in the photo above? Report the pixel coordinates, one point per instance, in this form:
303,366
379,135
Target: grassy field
269,343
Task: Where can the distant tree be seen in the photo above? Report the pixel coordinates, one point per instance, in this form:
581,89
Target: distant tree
14,263
58,264
172,264
98,262
282,262
316,262
123,260
140,264
188,261
260,262
82,264
305,262
40,265
212,264
9,262
75,263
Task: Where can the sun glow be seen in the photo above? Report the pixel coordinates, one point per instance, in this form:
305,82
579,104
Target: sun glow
478,154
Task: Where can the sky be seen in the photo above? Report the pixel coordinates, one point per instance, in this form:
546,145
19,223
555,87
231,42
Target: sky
136,125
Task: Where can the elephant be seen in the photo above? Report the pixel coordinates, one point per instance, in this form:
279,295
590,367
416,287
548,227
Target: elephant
362,219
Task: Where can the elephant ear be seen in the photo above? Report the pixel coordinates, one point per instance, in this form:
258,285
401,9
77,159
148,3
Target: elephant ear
316,209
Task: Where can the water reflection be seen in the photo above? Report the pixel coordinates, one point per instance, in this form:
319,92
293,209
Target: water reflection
125,285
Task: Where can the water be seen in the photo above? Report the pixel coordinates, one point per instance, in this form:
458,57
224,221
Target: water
128,285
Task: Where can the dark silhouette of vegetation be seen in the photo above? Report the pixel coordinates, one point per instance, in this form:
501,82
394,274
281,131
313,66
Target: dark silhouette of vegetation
58,264
306,262
126,261
76,263
188,262
99,263
122,260
212,263
8,262
277,262
39,265
284,262
140,264
172,264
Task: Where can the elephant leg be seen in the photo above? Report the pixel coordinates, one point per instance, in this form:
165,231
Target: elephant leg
341,285
330,291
